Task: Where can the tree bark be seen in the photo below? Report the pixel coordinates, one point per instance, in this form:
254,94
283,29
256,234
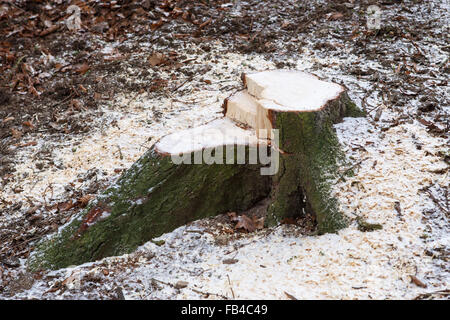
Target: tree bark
157,195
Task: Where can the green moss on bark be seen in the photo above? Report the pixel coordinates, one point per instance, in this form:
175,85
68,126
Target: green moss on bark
310,165
153,197
156,196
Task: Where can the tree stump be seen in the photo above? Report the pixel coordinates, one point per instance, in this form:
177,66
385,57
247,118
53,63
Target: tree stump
275,142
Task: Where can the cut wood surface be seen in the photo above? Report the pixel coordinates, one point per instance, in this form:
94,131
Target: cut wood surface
285,90
165,188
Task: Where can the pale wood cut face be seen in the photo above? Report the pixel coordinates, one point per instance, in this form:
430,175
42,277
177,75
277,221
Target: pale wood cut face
242,108
220,132
248,119
294,91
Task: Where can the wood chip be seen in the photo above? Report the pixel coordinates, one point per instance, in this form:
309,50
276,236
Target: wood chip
181,284
418,282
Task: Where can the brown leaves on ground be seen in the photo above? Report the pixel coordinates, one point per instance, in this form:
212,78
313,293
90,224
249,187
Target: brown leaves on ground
157,58
335,16
433,128
81,202
81,68
245,223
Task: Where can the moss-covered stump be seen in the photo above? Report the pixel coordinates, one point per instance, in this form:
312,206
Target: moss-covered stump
276,141
158,194
309,163
303,109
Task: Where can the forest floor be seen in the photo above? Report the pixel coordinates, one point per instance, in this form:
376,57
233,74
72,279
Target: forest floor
77,107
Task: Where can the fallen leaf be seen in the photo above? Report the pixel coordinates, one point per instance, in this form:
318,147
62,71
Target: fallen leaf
204,24
64,206
76,104
84,200
16,133
245,223
157,24
181,284
230,261
335,16
156,59
28,124
8,119
31,143
82,68
417,281
49,30
290,296
259,223
71,279
232,216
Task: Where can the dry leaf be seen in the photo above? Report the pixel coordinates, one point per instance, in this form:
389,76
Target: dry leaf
28,124
8,119
285,24
156,59
418,282
84,200
49,30
82,68
76,104
181,284
157,24
64,206
204,24
16,133
259,223
31,143
245,223
232,216
230,261
290,296
335,16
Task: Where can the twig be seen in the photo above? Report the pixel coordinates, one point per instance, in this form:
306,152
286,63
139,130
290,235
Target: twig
341,175
188,79
63,101
436,201
193,289
133,98
231,287
120,152
363,101
444,292
258,32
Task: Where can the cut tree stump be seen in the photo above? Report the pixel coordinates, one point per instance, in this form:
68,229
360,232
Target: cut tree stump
275,142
